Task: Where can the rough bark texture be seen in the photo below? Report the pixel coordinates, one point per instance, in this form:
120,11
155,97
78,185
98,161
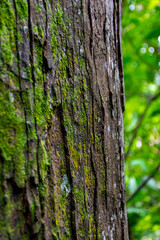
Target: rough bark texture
61,120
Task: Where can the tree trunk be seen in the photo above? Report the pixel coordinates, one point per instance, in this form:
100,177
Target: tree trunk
61,120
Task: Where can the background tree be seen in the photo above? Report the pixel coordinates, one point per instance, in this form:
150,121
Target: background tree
61,120
141,49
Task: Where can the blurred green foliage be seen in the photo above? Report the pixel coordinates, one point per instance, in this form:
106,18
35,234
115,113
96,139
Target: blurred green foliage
141,57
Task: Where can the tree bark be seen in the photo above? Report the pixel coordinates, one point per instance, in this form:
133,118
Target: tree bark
61,120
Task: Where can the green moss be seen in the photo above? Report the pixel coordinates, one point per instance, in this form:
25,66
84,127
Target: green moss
69,127
38,8
57,23
32,210
7,32
55,234
11,125
83,115
22,10
45,160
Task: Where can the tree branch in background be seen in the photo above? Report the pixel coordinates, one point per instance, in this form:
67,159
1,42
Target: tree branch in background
143,183
140,122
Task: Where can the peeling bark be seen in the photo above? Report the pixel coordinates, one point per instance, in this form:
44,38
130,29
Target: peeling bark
62,104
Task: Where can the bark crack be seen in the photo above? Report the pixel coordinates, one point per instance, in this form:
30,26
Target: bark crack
95,193
20,85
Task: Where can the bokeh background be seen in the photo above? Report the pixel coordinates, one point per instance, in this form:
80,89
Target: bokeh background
141,59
